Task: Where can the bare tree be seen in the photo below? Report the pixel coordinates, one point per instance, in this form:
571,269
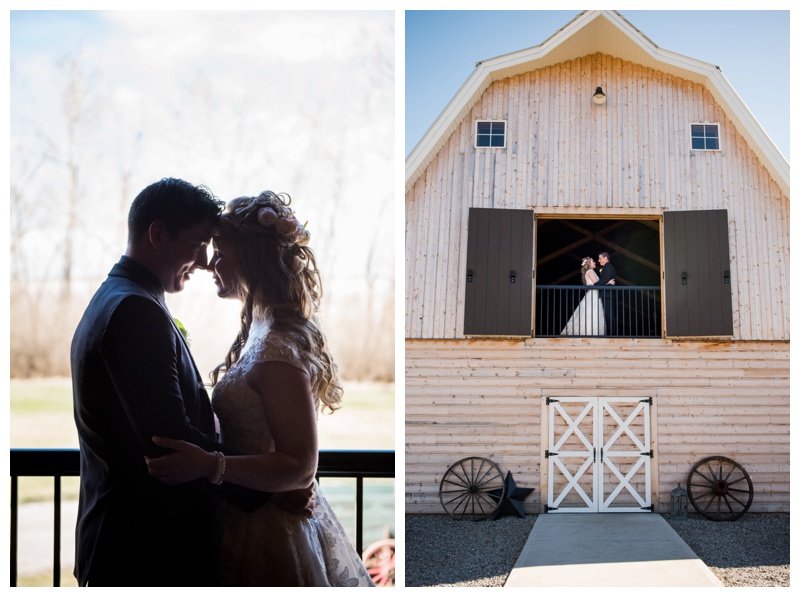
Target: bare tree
126,166
80,111
43,157
378,66
24,210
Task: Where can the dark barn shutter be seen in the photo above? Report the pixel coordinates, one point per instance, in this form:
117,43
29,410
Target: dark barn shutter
499,279
697,290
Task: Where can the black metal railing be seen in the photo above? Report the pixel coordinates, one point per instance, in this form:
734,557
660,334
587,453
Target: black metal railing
586,311
357,464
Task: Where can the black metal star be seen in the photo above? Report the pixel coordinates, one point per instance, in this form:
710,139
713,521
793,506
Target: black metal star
512,500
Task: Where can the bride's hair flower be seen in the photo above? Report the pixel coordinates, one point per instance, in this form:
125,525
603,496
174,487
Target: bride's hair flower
267,216
304,236
287,226
285,223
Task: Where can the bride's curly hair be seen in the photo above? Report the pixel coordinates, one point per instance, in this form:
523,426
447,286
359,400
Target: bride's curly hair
585,267
278,275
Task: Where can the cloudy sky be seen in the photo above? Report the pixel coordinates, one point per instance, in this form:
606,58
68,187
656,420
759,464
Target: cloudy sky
301,102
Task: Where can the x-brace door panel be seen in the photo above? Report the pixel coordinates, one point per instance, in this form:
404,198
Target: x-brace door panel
572,455
598,454
625,454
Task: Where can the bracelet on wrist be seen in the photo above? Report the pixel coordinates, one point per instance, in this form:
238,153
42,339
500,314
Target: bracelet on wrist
219,473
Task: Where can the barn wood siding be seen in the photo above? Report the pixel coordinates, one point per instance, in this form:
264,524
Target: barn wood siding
486,398
565,155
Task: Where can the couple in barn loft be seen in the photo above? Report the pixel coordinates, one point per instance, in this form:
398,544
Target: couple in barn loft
595,315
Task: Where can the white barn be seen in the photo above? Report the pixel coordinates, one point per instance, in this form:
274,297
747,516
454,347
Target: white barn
521,176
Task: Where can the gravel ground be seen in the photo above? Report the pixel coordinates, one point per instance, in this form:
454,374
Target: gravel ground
441,552
444,552
750,552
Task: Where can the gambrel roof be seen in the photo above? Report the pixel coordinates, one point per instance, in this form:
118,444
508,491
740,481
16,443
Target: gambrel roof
610,33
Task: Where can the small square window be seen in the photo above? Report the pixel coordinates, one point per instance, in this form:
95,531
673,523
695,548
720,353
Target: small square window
705,137
490,133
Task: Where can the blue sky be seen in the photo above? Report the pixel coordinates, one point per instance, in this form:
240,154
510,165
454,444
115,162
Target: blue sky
751,48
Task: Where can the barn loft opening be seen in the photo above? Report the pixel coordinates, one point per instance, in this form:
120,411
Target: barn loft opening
633,246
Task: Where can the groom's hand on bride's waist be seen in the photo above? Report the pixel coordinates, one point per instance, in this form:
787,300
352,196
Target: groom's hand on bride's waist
298,501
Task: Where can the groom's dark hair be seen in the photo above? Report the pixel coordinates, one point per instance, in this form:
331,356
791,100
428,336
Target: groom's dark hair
177,203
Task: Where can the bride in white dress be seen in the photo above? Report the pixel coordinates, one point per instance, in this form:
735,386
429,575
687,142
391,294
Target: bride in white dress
588,318
278,375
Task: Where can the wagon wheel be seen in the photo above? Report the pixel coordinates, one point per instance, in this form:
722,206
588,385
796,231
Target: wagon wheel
379,561
472,489
719,488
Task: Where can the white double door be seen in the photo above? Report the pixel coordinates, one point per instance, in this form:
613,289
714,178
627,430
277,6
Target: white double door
599,453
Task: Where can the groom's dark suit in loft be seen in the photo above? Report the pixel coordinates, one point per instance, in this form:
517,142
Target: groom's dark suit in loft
134,378
607,273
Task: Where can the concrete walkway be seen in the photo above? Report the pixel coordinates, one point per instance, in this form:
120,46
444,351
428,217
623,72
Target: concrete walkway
607,550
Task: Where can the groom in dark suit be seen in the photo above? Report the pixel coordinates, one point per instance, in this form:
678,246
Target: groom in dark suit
607,278
134,378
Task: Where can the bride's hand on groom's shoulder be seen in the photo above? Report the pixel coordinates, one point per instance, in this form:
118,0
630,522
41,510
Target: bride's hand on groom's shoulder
298,501
186,463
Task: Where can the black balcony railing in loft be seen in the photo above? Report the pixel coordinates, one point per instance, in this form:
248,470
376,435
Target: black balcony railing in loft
610,311
351,464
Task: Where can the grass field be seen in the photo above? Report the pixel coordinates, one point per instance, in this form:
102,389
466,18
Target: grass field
41,417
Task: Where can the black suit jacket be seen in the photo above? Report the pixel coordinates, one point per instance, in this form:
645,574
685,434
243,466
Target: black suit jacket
608,274
134,378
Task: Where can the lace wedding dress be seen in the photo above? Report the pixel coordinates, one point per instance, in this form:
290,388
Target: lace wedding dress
588,319
270,546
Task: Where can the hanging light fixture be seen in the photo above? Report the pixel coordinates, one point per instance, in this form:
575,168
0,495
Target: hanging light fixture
599,97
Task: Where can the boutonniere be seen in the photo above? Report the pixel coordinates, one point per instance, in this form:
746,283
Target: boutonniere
181,329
